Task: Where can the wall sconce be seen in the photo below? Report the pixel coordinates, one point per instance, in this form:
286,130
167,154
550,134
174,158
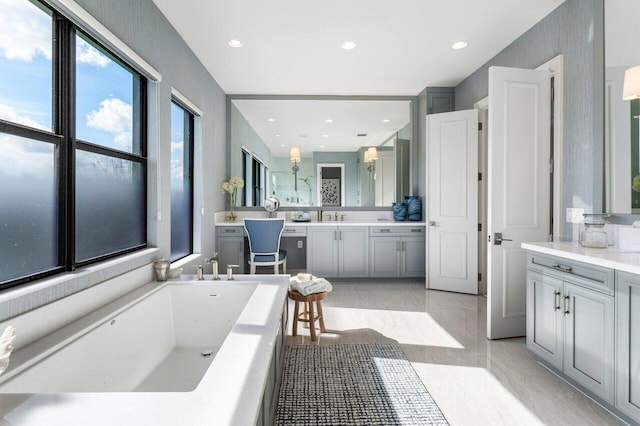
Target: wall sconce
294,156
371,155
631,88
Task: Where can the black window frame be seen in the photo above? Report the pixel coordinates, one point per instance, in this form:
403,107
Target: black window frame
189,128
63,138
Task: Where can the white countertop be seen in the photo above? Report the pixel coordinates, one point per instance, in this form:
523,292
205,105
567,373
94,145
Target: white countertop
611,257
230,392
338,223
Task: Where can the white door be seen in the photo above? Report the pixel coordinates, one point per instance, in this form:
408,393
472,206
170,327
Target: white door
519,183
452,146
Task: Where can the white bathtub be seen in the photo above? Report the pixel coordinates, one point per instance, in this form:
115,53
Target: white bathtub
200,346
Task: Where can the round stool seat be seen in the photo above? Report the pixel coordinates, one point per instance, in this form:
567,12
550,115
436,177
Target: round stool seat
309,313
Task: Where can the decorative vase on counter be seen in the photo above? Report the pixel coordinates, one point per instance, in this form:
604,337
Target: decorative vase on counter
414,208
399,212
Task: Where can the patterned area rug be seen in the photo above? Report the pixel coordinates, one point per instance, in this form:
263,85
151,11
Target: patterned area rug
353,384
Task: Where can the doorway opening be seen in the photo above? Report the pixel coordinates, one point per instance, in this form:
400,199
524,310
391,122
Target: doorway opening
331,184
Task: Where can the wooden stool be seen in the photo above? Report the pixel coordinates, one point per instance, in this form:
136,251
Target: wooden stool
308,315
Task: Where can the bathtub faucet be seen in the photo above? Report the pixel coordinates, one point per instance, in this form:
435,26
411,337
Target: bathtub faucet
214,265
230,272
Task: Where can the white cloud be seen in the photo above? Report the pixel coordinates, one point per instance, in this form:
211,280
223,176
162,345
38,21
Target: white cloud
25,31
177,146
87,54
21,157
114,116
10,114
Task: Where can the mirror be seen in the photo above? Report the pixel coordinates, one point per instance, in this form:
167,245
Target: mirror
622,153
335,165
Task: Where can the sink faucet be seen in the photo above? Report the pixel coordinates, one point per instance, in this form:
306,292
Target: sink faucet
200,272
214,265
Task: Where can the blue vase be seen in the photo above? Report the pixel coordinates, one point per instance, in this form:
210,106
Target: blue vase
399,212
414,208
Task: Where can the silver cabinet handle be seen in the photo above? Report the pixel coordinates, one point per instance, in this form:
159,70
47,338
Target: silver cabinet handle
416,230
497,238
335,235
566,305
403,243
385,230
562,267
556,300
397,245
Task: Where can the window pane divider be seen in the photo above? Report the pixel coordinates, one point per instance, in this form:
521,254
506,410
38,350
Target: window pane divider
98,149
15,129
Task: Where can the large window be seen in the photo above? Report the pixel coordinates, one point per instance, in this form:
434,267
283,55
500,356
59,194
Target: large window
181,182
72,147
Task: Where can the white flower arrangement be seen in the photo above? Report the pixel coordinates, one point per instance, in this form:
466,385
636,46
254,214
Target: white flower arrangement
231,187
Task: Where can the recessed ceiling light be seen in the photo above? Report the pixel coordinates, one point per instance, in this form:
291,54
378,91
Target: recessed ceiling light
283,145
235,43
325,136
459,45
328,120
271,120
322,146
277,135
386,120
348,45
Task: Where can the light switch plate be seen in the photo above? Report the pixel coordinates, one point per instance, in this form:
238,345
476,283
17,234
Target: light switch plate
575,215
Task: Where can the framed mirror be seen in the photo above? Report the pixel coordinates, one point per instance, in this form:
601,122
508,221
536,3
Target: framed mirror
622,125
322,151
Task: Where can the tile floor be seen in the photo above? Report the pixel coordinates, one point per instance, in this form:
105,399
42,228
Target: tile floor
475,381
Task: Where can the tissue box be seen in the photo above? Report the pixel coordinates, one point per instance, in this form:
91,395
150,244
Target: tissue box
629,238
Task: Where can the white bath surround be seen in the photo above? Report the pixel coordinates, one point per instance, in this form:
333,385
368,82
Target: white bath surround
177,315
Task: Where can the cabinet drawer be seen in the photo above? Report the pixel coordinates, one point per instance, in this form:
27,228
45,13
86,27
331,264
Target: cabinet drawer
378,231
594,277
290,231
229,231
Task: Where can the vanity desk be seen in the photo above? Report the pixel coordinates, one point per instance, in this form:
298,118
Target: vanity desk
348,249
583,320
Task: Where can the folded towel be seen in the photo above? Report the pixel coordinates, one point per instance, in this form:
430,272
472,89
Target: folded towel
316,285
5,347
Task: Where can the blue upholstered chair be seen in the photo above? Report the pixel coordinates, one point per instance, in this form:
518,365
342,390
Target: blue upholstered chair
264,244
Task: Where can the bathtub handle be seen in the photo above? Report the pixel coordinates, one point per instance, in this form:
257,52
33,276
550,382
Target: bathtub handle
230,271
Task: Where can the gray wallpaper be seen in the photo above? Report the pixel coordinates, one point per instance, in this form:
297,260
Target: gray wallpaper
575,29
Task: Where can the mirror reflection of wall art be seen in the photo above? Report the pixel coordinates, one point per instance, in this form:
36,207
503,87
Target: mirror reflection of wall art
330,192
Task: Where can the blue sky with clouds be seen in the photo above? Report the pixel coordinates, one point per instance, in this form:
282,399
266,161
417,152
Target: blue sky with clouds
104,89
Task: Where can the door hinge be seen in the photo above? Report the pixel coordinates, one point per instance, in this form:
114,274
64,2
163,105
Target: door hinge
551,165
553,94
479,227
479,126
479,276
479,176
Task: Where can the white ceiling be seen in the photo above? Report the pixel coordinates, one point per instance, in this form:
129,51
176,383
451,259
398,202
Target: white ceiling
293,46
302,123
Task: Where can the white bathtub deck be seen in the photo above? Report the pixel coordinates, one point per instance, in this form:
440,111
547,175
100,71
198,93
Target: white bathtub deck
230,392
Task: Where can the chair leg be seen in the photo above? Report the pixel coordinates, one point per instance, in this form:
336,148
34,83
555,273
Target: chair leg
253,269
312,323
321,316
284,266
275,269
295,318
306,313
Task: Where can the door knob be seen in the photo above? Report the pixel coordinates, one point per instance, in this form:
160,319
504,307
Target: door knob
497,238
432,223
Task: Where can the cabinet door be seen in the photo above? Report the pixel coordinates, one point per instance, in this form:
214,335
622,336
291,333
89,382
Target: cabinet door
588,348
412,256
322,251
628,344
231,252
545,317
384,257
353,248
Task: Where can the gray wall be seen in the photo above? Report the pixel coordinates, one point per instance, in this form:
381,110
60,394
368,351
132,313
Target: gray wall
574,29
160,45
243,135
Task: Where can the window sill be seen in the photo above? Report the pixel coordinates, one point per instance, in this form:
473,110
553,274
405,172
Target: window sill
185,260
18,300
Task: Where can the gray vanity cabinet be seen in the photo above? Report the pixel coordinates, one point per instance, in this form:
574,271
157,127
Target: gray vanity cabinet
338,251
628,344
397,252
230,247
570,320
